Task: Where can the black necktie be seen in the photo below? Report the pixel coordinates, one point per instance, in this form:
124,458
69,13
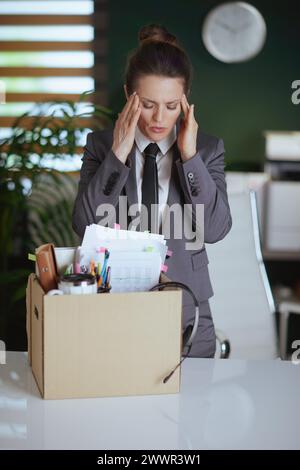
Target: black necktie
150,189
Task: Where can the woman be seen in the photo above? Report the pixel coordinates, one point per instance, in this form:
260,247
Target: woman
188,166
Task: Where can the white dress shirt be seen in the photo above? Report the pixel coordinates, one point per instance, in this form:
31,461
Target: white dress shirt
164,166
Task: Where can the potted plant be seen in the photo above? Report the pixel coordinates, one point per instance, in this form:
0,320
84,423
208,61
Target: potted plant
36,198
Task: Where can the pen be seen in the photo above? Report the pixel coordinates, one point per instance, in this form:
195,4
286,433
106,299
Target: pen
106,256
92,267
107,280
83,269
105,276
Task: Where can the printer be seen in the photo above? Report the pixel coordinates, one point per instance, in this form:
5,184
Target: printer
282,196
282,160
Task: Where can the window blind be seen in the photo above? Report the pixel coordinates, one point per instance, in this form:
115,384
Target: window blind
47,53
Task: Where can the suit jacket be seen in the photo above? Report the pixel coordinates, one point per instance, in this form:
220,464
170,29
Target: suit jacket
200,180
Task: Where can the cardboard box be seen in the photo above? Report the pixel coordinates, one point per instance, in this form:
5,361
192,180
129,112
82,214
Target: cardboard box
99,345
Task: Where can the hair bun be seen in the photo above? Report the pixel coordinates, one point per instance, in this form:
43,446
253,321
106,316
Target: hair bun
156,32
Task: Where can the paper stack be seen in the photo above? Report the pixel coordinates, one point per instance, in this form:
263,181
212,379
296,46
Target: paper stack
135,258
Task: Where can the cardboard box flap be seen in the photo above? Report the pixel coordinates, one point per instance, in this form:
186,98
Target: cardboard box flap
28,315
37,332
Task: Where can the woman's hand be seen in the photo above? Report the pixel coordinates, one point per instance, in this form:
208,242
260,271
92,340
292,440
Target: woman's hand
187,136
124,131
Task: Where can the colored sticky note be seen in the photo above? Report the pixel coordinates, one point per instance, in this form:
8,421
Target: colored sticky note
164,268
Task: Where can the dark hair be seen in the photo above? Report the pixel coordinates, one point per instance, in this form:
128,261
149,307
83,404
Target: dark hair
158,54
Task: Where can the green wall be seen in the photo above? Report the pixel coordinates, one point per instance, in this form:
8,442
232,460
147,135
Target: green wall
236,102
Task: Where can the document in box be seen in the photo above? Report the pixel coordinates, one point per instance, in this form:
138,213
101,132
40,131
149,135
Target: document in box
96,232
134,271
135,258
128,245
123,240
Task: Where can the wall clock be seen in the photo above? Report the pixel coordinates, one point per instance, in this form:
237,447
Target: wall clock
234,32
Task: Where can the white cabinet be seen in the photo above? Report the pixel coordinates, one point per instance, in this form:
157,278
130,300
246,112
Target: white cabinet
282,216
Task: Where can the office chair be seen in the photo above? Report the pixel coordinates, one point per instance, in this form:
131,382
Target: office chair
243,302
191,330
224,344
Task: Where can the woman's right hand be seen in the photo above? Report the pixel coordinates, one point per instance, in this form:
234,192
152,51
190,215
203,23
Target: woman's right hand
124,131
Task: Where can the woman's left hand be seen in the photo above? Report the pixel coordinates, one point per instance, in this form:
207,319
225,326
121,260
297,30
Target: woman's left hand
187,136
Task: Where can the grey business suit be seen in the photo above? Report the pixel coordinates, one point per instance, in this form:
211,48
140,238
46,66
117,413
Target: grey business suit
200,180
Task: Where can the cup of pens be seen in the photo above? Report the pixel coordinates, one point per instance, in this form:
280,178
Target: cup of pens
76,284
102,272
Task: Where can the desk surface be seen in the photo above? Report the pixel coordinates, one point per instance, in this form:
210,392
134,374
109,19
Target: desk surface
223,404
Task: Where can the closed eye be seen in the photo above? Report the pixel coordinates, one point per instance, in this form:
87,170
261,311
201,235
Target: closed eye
168,107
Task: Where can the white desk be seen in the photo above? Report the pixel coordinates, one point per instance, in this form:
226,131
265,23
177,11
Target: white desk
223,404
